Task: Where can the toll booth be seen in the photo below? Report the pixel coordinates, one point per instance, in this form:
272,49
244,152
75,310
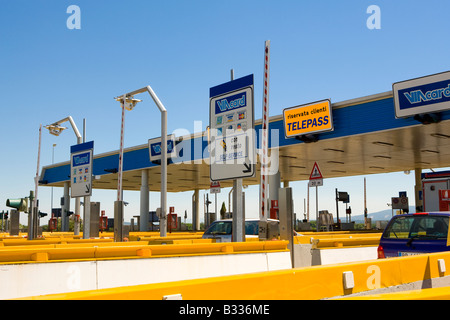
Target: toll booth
274,209
172,220
153,219
432,183
14,225
94,220
326,220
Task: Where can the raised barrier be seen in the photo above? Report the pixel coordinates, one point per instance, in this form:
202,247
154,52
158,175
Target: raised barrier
321,282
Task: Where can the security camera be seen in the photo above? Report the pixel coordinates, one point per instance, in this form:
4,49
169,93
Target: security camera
129,102
55,129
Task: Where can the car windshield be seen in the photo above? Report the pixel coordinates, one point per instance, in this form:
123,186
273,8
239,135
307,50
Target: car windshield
251,228
418,226
220,227
225,227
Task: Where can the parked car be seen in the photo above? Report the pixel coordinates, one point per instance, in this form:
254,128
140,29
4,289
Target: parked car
221,230
411,234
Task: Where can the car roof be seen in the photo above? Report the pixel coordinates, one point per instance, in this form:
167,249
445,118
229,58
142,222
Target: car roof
436,213
245,220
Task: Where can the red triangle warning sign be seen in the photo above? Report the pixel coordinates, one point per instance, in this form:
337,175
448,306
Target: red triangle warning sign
315,173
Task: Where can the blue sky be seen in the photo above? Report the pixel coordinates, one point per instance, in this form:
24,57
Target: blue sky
319,49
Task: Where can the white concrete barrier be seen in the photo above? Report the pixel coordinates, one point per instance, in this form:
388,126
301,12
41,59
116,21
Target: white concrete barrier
31,279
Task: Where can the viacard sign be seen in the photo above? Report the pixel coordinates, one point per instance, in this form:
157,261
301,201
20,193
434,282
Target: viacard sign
422,95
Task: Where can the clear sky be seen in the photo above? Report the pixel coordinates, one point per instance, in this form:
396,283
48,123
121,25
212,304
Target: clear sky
319,49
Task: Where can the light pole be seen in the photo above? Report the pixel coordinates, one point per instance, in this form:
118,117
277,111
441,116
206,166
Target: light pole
56,129
127,100
51,197
126,103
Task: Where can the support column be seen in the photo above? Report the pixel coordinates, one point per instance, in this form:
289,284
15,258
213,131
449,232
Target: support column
196,211
418,190
145,201
66,208
238,223
274,177
87,218
274,186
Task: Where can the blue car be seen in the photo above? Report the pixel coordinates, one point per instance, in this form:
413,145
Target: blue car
412,234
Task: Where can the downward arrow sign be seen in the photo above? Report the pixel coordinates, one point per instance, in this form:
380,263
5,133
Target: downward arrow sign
248,168
88,189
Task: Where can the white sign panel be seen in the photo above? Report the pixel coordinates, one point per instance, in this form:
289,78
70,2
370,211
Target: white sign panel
232,152
214,187
154,148
81,164
315,178
422,95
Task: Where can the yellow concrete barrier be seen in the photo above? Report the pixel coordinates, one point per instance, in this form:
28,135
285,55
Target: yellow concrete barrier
91,251
25,242
319,282
319,240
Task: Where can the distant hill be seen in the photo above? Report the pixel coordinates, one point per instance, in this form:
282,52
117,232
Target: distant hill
377,216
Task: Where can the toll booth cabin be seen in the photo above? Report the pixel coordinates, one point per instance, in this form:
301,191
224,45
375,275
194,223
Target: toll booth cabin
436,191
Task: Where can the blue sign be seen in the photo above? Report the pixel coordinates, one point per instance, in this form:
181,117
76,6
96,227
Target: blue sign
231,102
81,159
231,118
81,169
422,95
154,147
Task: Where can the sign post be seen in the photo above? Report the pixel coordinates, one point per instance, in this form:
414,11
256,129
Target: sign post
316,180
215,189
81,173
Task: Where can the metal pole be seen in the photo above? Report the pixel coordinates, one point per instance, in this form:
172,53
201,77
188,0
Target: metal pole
307,206
238,222
265,128
51,197
119,180
33,213
163,221
317,209
87,218
215,203
144,197
238,216
118,221
84,130
337,207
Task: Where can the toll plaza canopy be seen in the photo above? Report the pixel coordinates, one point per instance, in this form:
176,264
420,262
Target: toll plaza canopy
367,139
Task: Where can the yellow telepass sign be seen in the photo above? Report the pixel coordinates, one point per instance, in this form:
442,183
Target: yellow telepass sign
308,118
